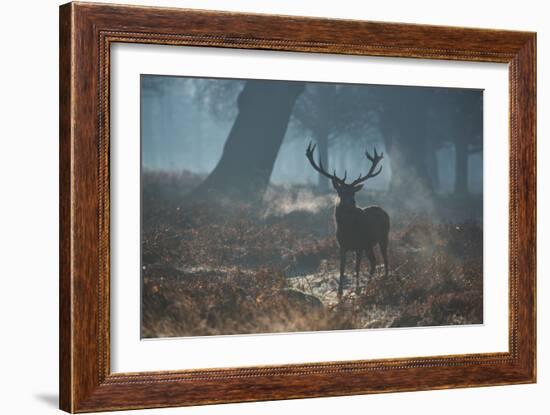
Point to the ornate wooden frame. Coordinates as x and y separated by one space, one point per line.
86 33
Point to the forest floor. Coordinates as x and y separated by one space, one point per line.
228 269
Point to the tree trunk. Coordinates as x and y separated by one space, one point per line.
250 151
407 153
431 164
409 173
461 167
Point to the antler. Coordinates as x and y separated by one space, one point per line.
319 167
374 160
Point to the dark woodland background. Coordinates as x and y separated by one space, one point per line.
238 229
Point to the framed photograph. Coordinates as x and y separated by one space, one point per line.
259 207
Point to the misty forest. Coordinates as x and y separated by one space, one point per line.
284 206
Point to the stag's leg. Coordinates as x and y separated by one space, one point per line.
342 271
357 270
372 260
384 250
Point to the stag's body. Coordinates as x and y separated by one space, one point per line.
357 230
360 230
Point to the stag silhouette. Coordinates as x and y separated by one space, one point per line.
357 229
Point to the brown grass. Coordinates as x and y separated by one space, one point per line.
230 269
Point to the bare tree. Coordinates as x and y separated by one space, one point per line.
328 112
264 109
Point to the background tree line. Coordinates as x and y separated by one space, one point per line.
411 124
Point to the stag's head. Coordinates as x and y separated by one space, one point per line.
346 191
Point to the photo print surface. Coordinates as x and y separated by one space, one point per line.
286 206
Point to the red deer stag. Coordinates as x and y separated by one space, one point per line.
357 229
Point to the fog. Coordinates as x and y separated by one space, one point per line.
239 231
185 123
